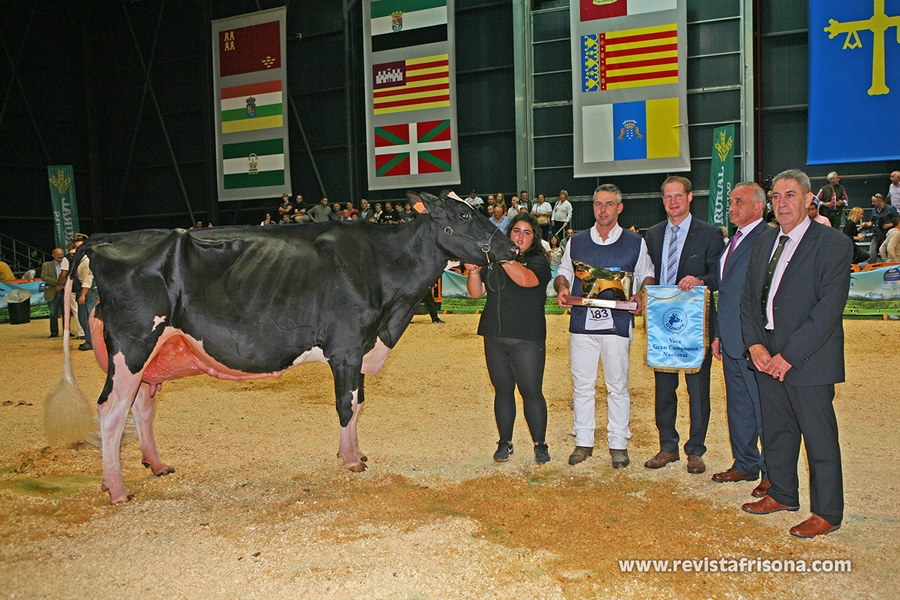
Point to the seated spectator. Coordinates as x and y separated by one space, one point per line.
407 213
335 212
387 215
6 273
299 203
500 220
890 248
851 229
285 208
813 212
513 208
345 214
285 219
376 213
300 216
268 220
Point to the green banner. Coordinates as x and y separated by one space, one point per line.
65 208
721 175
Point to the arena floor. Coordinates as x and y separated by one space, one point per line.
260 507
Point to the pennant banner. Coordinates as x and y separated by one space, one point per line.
250 84
629 86
410 86
65 207
853 118
676 327
721 175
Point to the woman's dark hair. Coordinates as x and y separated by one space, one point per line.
536 246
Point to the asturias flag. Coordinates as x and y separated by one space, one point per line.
411 84
259 163
405 23
249 49
252 106
428 142
631 130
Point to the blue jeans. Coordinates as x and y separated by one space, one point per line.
54 312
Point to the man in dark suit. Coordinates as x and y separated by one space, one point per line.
745 209
685 252
791 310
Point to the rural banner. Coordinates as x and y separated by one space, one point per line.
250 81
629 86
410 91
65 208
854 81
676 327
721 175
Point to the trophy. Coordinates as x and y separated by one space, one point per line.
595 280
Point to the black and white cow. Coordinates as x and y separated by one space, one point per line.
250 302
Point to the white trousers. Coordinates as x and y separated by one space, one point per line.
73 305
585 352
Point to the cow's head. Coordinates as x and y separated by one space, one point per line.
466 234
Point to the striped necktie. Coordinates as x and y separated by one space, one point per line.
672 258
770 272
734 241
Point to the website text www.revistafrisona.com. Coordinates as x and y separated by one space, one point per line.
736 565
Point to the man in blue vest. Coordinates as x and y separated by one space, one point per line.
600 333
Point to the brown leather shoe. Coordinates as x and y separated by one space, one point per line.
813 526
731 475
695 464
580 455
661 459
762 490
767 506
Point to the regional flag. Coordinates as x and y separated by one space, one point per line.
606 9
249 49
630 58
259 163
404 23
854 81
413 148
252 106
644 129
412 84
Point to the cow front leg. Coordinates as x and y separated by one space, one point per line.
351 427
144 405
346 388
113 410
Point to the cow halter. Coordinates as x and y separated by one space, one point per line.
483 246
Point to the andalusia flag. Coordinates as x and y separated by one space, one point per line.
405 23
252 106
413 148
253 164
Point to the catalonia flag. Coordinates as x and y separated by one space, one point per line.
854 81
644 129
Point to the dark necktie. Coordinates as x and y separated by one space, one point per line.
770 271
734 241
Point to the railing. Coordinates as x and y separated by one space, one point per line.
21 257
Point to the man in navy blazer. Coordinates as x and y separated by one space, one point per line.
791 311
745 210
685 252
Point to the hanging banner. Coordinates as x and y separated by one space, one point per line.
721 175
854 81
629 86
676 327
65 208
250 81
410 68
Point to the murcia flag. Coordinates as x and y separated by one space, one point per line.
606 9
413 148
249 49
412 84
643 129
405 23
252 106
259 163
630 58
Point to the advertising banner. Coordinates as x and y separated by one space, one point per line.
65 208
721 175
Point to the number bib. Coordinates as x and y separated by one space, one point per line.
598 319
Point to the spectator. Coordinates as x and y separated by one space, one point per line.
813 212
513 208
335 212
556 254
268 220
890 248
894 190
562 214
87 298
300 215
569 233
852 231
389 216
880 221
365 211
541 211
299 204
376 214
6 273
285 220
53 274
832 199
500 220
523 201
73 297
285 208
321 212
349 206
475 201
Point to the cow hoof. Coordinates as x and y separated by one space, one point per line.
164 469
361 457
356 467
119 500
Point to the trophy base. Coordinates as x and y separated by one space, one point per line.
600 303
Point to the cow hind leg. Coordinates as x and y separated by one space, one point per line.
144 405
347 386
351 426
113 411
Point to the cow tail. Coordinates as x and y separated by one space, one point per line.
69 417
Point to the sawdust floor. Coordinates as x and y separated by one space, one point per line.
260 507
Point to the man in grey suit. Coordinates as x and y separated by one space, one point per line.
791 311
745 209
685 252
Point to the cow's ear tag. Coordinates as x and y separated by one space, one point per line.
420 208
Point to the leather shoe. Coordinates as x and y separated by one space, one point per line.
767 506
731 475
53 335
762 490
84 347
695 464
813 526
619 458
580 455
661 459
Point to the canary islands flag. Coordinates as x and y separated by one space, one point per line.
854 81
631 130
